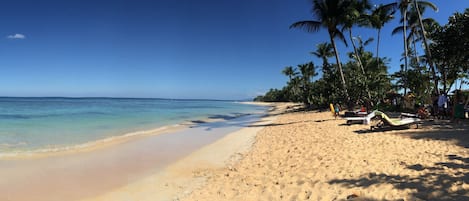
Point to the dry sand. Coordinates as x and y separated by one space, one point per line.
311 156
191 172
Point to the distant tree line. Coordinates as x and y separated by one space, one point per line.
433 59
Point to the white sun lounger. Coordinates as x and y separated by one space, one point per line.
365 120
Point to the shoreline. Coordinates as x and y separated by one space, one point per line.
115 140
180 178
89 146
121 165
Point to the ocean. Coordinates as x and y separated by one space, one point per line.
46 124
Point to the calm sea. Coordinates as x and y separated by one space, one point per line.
30 124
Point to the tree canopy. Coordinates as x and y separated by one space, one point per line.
364 78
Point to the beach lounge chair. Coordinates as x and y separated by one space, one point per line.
409 115
364 120
386 121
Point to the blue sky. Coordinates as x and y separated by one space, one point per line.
215 49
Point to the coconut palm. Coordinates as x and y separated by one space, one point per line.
330 14
353 17
427 48
290 72
379 16
307 72
414 33
403 7
411 20
324 51
292 86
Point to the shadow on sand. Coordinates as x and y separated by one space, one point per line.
433 183
445 180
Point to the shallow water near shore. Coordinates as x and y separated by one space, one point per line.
88 174
54 124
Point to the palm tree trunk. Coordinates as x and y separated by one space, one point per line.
445 77
377 48
377 55
416 55
427 49
404 24
339 66
361 64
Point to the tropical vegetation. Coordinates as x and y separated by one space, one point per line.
435 56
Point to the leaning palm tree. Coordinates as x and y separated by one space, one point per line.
330 14
380 15
403 7
427 48
355 16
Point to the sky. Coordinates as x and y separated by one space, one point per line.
204 49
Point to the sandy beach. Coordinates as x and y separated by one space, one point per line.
311 156
180 178
286 155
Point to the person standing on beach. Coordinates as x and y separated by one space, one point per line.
336 110
442 104
458 108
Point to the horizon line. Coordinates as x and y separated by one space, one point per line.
110 97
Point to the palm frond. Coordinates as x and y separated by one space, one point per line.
368 41
398 29
428 4
319 8
340 35
308 25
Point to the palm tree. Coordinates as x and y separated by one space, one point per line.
403 7
353 17
362 44
307 72
413 21
292 85
414 34
379 16
427 48
330 14
290 72
324 51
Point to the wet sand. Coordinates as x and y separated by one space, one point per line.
82 175
191 172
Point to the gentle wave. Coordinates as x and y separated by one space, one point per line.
9 145
19 116
84 146
57 150
60 124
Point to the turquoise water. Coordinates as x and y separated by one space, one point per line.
28 124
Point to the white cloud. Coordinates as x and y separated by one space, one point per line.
16 36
